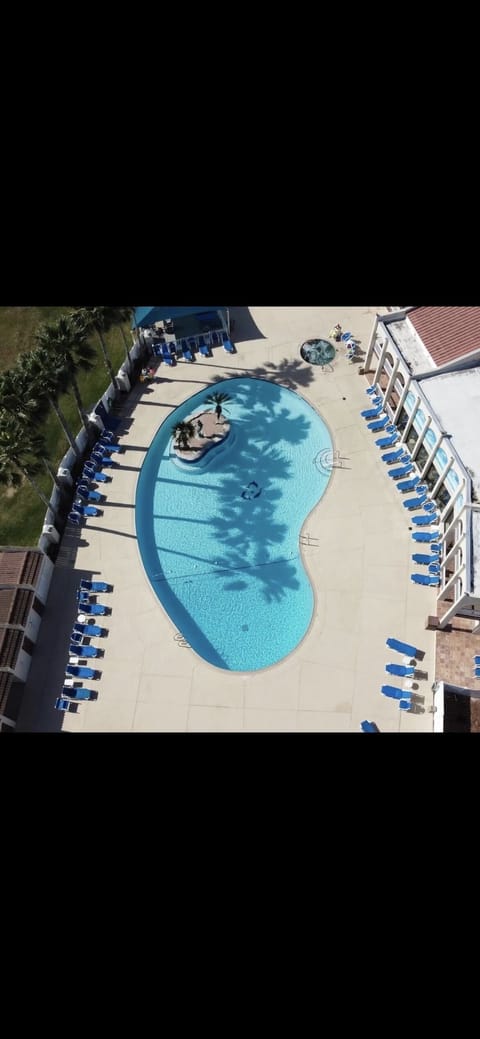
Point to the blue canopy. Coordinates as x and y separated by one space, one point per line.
145 316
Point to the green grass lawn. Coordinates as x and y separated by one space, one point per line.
22 512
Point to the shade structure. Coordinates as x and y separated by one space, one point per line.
402 647
146 316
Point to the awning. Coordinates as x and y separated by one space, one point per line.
145 316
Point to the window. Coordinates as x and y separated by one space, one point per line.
412 438
442 497
421 457
402 420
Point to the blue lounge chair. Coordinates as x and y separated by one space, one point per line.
227 345
96 477
372 390
390 440
400 455
65 705
75 518
425 519
167 354
408 485
430 506
392 692
82 596
106 445
402 647
380 423
436 550
102 460
94 586
367 726
88 630
415 503
372 412
401 670
429 579
108 436
83 651
86 495
87 510
403 470
405 704
95 609
75 671
345 336
187 353
202 346
425 535
476 661
422 558
79 694
434 568
476 673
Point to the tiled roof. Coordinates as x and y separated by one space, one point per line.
15 605
20 566
10 645
447 332
6 680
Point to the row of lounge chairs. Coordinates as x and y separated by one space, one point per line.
83 628
100 458
405 670
185 348
406 480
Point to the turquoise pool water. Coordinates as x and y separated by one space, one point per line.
219 538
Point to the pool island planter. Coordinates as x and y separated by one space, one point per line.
213 434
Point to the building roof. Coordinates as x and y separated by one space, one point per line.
145 316
6 680
15 605
447 332
11 640
455 400
20 566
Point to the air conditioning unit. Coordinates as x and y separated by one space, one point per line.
124 381
95 419
51 532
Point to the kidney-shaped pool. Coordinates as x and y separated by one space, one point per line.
219 538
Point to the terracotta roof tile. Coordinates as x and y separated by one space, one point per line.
447 332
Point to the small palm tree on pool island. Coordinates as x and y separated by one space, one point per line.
183 431
218 399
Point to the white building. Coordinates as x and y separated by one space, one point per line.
426 364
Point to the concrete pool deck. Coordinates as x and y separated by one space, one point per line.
356 545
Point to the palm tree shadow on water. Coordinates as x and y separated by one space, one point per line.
253 543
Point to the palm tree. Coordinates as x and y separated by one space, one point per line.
19 455
49 378
122 314
183 431
17 396
100 319
218 399
70 344
17 400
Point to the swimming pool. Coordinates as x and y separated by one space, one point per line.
219 538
